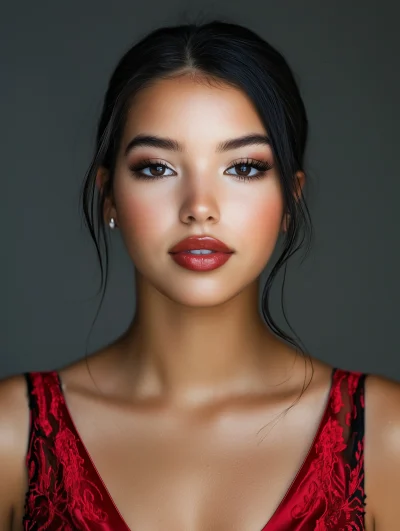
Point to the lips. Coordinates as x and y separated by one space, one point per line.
193 243
219 255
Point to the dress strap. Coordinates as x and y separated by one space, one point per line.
349 413
29 385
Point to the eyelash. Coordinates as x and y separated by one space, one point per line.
261 166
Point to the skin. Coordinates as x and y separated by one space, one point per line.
197 366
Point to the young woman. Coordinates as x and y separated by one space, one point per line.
204 415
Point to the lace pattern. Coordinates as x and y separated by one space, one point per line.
66 493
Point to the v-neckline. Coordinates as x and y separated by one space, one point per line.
285 497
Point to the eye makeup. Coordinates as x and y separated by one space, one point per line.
156 169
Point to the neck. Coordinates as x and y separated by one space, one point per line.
192 354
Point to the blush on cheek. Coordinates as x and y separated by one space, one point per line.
141 222
273 211
265 222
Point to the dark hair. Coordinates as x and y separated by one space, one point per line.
221 52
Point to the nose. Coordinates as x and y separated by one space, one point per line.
199 206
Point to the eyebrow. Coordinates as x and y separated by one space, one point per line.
173 145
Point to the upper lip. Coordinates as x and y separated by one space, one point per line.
200 242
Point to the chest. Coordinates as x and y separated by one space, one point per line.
234 472
205 478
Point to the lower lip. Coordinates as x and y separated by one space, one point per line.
201 262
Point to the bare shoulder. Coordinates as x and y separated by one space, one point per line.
14 430
382 401
14 410
382 450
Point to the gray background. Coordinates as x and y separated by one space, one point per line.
55 63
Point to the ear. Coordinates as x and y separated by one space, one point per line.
300 179
102 178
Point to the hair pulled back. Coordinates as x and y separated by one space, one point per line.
220 52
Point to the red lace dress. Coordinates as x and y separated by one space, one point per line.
66 492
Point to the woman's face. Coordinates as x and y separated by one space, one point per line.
201 191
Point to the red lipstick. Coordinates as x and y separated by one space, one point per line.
184 253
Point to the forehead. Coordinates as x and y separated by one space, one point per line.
190 108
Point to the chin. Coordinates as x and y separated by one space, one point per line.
200 296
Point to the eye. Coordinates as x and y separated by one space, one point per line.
248 169
147 169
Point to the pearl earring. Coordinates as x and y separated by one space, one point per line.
112 223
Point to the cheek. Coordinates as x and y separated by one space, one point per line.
143 215
142 220
258 221
266 219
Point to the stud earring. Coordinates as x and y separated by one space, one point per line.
112 223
